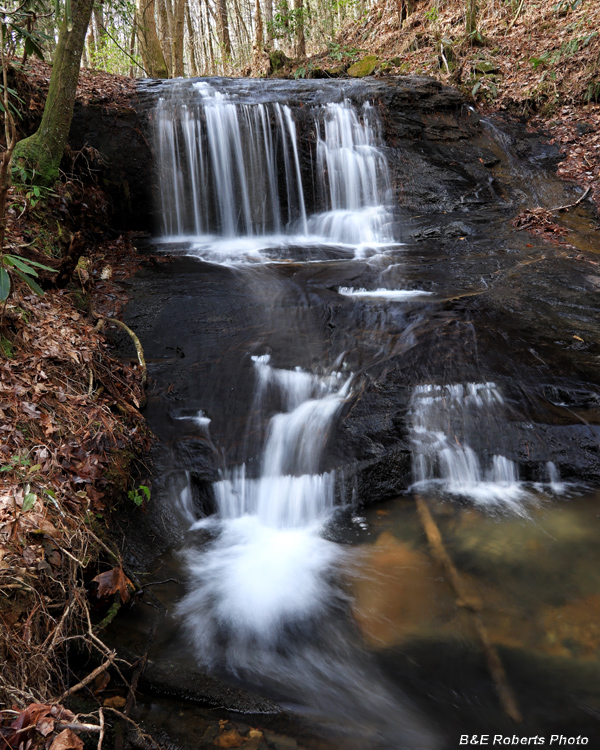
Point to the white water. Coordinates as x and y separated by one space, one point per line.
268 559
232 184
458 435
396 295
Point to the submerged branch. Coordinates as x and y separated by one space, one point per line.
466 599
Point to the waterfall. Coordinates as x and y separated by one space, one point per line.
269 525
290 492
231 169
459 439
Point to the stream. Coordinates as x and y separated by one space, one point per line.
336 323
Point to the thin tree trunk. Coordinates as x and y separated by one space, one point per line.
269 21
100 33
150 47
471 22
192 42
165 35
178 33
132 70
43 150
300 50
223 28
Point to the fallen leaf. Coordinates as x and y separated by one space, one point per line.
112 581
117 701
232 738
66 740
45 726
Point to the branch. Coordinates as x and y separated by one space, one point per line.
467 600
124 51
90 678
517 14
572 205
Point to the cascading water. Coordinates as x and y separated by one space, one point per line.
274 517
459 445
232 170
263 592
289 592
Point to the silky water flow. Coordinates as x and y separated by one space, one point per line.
266 604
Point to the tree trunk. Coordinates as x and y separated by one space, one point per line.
300 50
150 49
223 28
165 35
471 24
43 150
178 30
192 38
101 36
269 21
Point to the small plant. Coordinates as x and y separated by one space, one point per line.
24 269
432 15
485 87
7 350
592 93
564 6
139 495
16 462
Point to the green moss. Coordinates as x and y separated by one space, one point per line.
486 67
7 350
34 156
278 60
364 67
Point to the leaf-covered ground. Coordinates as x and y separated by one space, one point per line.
536 60
70 431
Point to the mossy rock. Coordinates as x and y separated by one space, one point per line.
278 60
364 67
484 67
336 72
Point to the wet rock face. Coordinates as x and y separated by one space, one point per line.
115 144
412 109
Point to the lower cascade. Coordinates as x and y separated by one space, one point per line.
459 440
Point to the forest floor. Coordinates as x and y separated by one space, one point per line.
71 439
536 61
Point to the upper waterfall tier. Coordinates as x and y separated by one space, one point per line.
237 168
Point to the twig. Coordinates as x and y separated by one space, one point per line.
159 583
101 737
90 678
517 14
137 344
145 736
571 205
77 727
466 599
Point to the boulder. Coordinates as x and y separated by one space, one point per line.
364 67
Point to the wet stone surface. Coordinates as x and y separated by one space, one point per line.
496 309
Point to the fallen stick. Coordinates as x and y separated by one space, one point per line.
90 678
77 727
101 737
466 599
577 202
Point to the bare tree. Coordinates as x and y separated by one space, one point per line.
150 47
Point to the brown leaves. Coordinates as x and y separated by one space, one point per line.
66 740
114 581
35 723
541 222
